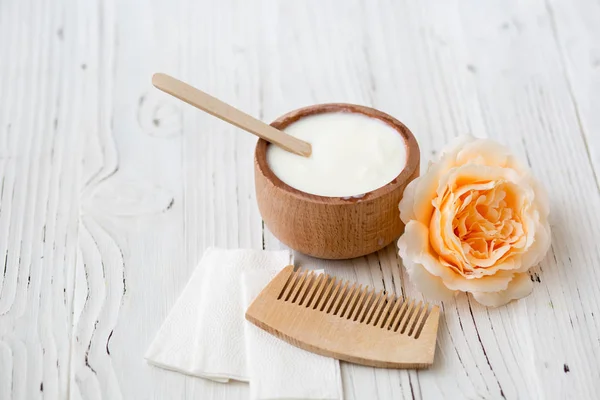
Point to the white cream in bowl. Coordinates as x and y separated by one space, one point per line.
352 154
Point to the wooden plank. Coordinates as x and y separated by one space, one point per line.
39 171
220 202
326 63
81 295
525 98
131 265
504 83
432 63
575 29
41 101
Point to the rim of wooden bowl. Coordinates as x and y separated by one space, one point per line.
410 143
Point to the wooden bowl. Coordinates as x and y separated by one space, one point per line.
333 227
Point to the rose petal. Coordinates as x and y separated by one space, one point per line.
537 251
493 153
475 222
507 264
429 285
426 185
519 287
425 189
468 177
406 203
416 248
455 145
541 195
444 242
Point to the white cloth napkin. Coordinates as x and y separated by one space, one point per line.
205 334
279 370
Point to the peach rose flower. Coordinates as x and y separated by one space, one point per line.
476 221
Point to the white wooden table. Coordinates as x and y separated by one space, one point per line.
110 191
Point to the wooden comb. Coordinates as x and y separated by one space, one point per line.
335 318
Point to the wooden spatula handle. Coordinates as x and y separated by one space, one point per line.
227 113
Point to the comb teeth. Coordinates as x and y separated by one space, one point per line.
363 305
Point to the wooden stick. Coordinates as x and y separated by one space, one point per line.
227 113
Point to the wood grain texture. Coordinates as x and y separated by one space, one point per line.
333 227
229 114
375 337
40 113
575 30
110 191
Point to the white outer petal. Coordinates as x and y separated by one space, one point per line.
407 211
432 287
519 287
455 145
492 153
538 249
541 195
